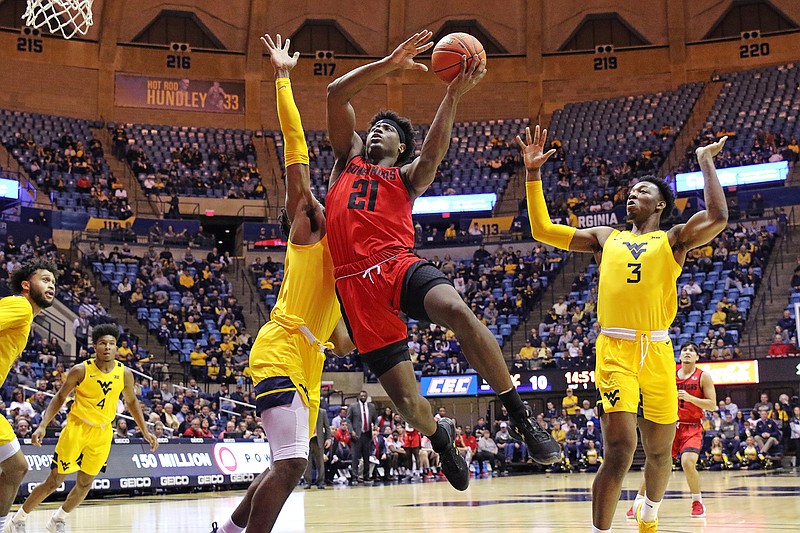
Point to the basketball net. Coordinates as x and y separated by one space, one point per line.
67 17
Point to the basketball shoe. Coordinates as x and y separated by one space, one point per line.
645 527
14 527
698 510
453 465
541 446
56 526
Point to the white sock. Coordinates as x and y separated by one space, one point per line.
60 515
20 516
697 498
3 522
230 527
649 510
598 530
636 500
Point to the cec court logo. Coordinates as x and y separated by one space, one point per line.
452 385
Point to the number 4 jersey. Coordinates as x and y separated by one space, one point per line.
97 395
368 213
637 282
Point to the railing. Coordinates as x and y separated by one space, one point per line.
55 326
235 402
119 415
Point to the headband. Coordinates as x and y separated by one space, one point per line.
394 125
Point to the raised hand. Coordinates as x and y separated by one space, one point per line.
710 150
533 150
468 77
403 55
279 56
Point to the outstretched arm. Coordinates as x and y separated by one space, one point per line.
341 116
74 376
707 224
542 228
421 172
298 181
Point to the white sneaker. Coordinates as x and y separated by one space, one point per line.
14 527
56 526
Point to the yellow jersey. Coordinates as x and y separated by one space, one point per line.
97 395
307 299
637 282
16 316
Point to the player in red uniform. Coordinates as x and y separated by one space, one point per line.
696 393
372 188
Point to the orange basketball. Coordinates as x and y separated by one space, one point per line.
446 59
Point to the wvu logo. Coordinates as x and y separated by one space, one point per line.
105 385
612 397
79 460
64 465
636 249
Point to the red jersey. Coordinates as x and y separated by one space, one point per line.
368 214
689 412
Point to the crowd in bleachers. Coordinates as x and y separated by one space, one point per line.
64 160
757 110
186 301
189 161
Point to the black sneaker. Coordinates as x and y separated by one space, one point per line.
214 527
453 465
541 445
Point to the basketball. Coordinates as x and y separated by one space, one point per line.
446 59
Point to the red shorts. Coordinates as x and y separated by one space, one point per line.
370 293
688 438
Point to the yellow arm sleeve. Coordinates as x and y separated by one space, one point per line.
294 147
542 228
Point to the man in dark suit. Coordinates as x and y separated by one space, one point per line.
319 442
361 415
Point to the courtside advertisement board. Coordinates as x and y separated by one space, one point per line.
187 463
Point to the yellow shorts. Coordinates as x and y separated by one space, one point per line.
82 447
6 431
629 384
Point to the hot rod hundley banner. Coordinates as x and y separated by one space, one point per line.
179 94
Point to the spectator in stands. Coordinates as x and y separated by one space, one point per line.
767 432
786 322
794 427
122 429
780 348
763 403
488 451
719 316
570 403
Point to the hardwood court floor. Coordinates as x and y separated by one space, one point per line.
735 502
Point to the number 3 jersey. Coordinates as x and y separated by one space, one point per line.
637 282
97 395
368 213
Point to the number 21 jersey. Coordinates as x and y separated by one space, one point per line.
637 282
368 214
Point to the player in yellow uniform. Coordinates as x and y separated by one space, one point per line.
637 303
33 285
85 442
287 356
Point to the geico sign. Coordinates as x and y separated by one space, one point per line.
450 385
242 478
174 481
31 486
134 482
101 484
215 479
